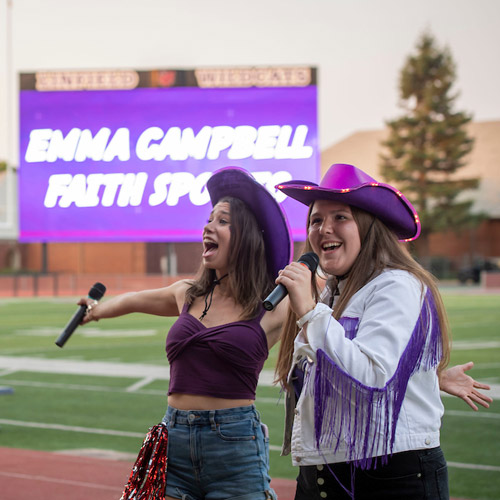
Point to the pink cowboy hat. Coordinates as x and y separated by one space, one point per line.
350 185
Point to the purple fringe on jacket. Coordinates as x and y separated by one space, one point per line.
366 417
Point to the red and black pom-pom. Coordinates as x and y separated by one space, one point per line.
148 477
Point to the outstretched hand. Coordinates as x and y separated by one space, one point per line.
456 382
90 303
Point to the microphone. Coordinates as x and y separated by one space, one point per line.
96 293
311 261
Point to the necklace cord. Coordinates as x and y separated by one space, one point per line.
209 296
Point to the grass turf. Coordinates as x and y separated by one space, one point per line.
29 328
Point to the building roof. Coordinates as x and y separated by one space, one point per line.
363 149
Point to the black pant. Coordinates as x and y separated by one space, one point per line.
411 475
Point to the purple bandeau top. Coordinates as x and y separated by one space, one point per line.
222 361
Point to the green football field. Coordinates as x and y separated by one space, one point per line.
63 399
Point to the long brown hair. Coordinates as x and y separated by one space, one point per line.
380 249
249 280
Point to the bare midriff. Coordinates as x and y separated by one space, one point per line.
197 402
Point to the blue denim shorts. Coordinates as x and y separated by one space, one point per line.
217 455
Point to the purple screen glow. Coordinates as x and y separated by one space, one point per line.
131 165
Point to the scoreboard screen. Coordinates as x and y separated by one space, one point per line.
124 155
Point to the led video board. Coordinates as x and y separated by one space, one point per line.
125 155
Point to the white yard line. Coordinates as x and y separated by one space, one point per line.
140 384
46 479
77 367
135 388
110 432
469 345
483 413
458 465
10 364
71 428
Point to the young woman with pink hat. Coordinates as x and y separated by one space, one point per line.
217 446
360 360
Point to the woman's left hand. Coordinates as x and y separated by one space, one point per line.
454 381
296 278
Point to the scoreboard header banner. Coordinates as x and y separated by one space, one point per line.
125 155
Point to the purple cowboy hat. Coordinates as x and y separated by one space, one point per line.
238 183
350 185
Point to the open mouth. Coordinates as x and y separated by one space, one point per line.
330 246
209 247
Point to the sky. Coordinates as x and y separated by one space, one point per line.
358 46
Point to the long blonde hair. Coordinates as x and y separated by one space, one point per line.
380 249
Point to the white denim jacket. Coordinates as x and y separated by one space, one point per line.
364 356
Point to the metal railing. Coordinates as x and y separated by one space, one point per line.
59 284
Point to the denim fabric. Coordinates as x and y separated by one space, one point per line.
412 475
217 455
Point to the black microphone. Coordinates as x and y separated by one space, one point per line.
96 293
311 261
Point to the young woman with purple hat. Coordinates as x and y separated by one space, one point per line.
360 360
217 447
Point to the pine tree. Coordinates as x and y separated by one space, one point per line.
428 145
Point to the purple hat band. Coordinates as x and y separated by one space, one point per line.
238 183
350 185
